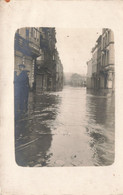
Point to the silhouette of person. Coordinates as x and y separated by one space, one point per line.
26 90
16 94
23 81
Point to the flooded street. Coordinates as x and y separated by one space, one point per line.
73 127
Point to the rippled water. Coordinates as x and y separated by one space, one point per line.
74 127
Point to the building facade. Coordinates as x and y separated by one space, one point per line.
94 67
89 74
27 49
108 61
36 49
45 65
103 74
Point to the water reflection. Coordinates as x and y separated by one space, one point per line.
101 124
32 132
74 127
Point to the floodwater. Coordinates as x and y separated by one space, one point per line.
74 127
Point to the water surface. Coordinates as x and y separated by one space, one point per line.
74 127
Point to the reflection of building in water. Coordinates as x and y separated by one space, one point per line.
101 126
36 49
33 147
39 149
94 104
102 64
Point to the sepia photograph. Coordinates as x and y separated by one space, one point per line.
64 97
61 80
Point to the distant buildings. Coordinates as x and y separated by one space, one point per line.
100 69
74 80
78 80
36 49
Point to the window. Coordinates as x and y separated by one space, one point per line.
31 32
27 33
107 57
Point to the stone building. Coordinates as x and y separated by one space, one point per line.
27 49
49 69
94 67
36 49
108 61
89 74
45 67
99 79
102 67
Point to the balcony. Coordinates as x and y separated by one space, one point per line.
34 49
26 47
109 67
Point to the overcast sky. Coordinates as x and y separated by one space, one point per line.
74 47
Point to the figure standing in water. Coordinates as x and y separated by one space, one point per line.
23 82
